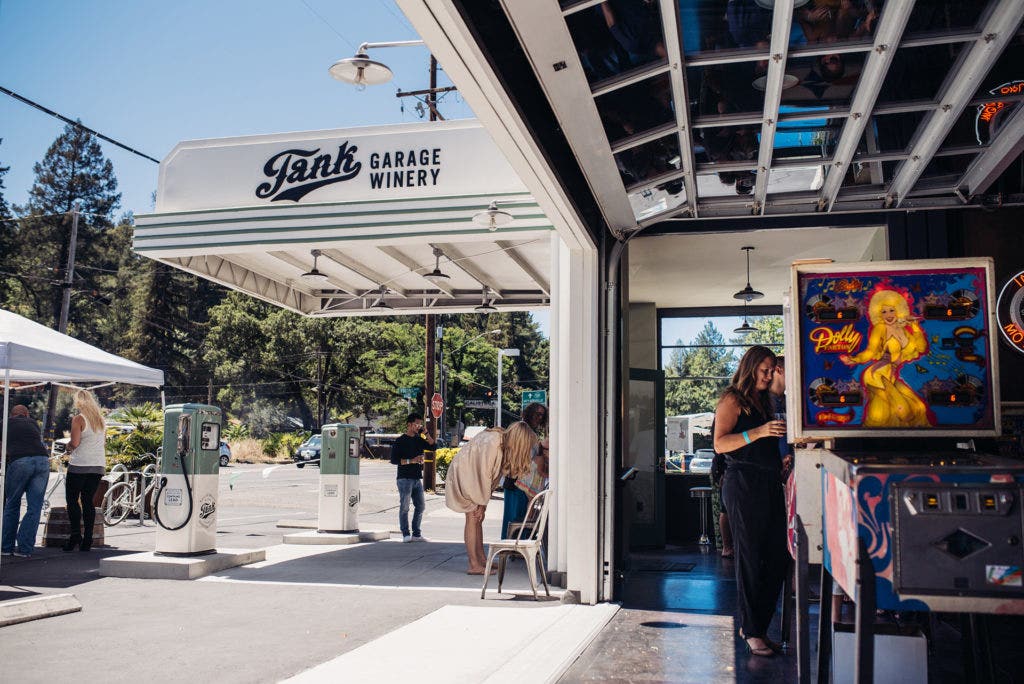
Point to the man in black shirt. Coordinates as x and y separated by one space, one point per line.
407 454
27 472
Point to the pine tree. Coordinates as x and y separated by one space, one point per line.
73 170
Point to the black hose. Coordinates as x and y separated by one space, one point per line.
159 491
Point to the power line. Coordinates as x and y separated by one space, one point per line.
76 124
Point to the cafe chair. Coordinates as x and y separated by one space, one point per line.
527 543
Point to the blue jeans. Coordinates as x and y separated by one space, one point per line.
28 476
409 488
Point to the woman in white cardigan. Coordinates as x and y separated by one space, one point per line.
88 464
474 473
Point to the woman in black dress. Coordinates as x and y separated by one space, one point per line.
747 435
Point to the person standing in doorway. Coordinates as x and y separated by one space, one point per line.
27 472
407 454
777 392
748 435
87 466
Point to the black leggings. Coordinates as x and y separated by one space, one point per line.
757 515
81 486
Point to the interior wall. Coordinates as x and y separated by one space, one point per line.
997 234
643 335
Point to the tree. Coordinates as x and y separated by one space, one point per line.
703 371
73 170
7 236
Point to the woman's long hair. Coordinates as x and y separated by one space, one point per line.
86 404
744 382
520 441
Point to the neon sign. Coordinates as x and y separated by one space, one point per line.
988 111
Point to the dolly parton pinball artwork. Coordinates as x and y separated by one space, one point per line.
896 348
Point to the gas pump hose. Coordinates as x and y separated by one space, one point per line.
159 491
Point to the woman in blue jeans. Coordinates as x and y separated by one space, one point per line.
27 472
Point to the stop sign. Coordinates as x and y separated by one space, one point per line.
436 404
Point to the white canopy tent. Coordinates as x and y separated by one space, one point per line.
32 353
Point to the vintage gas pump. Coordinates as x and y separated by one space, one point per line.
339 479
186 499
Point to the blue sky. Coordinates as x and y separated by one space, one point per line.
151 74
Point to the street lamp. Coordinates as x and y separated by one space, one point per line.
497 409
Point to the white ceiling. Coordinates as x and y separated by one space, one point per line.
705 269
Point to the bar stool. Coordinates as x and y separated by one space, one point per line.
703 494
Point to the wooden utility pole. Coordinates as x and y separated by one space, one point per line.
65 308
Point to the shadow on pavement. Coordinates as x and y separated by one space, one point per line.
430 565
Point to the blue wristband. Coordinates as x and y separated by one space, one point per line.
746 437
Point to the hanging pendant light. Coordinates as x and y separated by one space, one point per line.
748 293
436 276
315 274
746 328
381 302
492 217
485 306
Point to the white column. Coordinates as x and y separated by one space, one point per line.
575 545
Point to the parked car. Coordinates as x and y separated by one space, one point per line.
225 454
701 461
308 451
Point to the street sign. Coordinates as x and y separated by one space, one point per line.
480 404
409 392
437 404
535 396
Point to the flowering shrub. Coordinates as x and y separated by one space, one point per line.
443 459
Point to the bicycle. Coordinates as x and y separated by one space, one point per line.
57 453
129 494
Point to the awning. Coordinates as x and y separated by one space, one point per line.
31 352
381 207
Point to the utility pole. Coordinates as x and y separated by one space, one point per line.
209 392
431 422
65 307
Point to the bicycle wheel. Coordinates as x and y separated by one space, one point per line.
118 503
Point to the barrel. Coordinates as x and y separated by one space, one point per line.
58 528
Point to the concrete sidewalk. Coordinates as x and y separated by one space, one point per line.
303 607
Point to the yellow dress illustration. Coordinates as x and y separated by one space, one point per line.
895 338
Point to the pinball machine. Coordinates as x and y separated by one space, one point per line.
890 356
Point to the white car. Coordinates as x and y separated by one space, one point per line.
701 461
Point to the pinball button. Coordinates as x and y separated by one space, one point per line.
1013 540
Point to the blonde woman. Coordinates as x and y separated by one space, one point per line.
474 473
896 338
88 464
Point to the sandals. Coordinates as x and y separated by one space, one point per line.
766 652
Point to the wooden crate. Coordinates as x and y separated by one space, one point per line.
58 528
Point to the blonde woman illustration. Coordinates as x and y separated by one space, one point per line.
896 337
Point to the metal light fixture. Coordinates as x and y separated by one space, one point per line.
381 302
485 306
436 276
748 293
362 71
492 217
315 274
746 328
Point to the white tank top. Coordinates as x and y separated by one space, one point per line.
91 450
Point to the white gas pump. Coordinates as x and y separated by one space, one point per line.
339 479
186 499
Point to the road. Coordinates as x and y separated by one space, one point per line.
253 499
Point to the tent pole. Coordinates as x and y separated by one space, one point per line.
3 443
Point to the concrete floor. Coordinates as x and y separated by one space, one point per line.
680 627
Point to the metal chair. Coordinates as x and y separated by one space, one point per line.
703 495
528 546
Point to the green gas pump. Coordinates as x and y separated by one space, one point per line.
339 479
186 499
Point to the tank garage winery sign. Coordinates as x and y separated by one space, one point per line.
409 161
